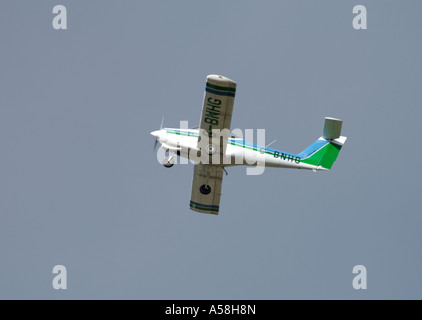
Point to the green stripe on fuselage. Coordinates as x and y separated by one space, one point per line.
183 134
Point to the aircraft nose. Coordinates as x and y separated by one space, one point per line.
155 133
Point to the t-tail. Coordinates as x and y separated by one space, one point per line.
323 152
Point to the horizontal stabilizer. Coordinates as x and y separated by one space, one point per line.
332 128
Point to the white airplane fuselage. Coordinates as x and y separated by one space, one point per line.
184 142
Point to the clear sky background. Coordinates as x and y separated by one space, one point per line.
81 187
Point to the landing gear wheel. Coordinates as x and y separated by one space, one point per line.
205 189
168 162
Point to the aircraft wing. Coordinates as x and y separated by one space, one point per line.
217 111
206 188
218 103
216 115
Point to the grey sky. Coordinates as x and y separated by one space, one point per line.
81 187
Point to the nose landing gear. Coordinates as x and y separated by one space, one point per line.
168 162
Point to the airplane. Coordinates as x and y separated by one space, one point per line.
213 147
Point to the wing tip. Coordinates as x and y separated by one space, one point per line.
220 78
204 208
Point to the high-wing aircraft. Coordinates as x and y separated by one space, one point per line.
213 147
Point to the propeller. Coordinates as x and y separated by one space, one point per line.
162 122
155 144
156 138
